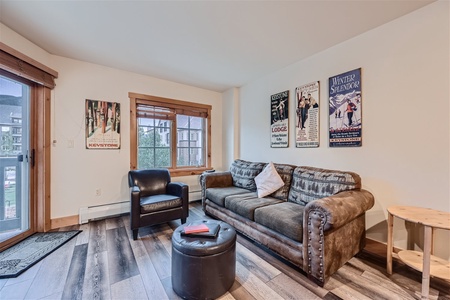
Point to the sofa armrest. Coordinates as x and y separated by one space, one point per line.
214 179
337 210
333 231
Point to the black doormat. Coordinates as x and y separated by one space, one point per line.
18 258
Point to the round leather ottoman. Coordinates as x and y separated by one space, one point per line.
203 268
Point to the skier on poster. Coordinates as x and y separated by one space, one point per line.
351 107
302 112
312 102
280 108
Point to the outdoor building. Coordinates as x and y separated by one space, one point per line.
10 148
11 130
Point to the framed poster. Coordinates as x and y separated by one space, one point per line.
345 116
102 124
279 116
307 115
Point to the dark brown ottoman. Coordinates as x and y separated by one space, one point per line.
203 268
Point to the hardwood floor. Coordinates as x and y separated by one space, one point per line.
103 262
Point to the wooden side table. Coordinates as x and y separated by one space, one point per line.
424 262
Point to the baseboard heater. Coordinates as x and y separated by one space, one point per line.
195 195
109 210
103 211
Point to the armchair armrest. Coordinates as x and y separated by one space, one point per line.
135 195
135 202
179 189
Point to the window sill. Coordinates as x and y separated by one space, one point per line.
187 171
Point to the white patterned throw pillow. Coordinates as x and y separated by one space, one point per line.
268 181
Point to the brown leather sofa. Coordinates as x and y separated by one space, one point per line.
316 220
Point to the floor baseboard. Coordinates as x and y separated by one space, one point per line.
64 221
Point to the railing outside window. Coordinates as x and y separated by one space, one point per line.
10 193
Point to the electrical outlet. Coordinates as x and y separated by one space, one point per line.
98 192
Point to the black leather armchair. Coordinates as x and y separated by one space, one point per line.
155 200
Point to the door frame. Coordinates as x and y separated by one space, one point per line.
40 173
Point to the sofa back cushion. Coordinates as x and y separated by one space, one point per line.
309 183
244 173
285 172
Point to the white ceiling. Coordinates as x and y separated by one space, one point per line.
214 45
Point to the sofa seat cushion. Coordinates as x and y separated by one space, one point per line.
285 218
217 195
309 184
244 172
159 202
245 204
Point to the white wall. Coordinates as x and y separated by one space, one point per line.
404 159
76 172
83 171
17 42
230 121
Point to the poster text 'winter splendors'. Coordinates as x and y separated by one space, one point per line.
345 124
279 115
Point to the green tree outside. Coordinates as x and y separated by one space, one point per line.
152 152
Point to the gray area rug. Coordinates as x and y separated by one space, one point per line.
18 258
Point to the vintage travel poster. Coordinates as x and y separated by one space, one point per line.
279 115
307 115
345 116
102 124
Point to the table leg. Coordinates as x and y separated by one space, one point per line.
389 243
432 240
428 232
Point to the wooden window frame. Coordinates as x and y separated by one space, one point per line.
179 105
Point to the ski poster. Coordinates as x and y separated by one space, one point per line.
307 115
102 124
279 115
345 123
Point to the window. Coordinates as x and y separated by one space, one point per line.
190 148
167 133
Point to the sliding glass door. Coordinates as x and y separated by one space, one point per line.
16 158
